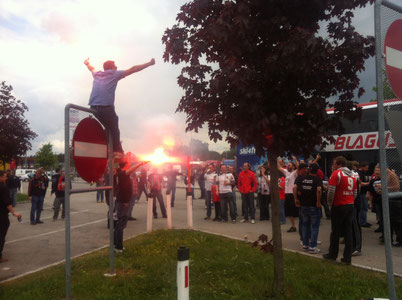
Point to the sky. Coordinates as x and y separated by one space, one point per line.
44 44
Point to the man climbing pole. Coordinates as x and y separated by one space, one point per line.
103 94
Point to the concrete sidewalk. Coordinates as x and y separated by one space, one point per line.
33 247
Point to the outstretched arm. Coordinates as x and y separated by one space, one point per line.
89 66
135 167
138 68
317 158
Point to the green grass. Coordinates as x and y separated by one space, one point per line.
22 197
220 268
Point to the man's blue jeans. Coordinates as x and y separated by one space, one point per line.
36 208
248 206
171 189
311 224
13 196
122 210
282 206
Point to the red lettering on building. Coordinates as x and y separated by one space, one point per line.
340 141
348 143
359 142
370 141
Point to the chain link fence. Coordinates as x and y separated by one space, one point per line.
392 105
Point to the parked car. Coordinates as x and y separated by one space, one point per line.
27 176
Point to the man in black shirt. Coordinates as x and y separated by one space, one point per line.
364 177
171 175
307 192
124 193
5 207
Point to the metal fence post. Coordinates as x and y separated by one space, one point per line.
67 198
111 206
383 162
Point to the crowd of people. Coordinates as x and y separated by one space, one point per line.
345 198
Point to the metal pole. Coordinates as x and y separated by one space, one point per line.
111 206
383 162
67 198
149 213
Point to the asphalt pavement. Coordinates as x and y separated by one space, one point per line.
30 248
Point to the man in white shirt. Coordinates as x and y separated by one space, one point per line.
210 178
291 210
225 181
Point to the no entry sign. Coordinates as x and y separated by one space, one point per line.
90 149
393 56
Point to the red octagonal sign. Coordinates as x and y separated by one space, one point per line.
90 149
393 56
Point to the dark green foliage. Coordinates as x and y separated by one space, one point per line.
265 68
15 134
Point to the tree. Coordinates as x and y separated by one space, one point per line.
388 92
262 70
46 158
229 154
199 149
15 134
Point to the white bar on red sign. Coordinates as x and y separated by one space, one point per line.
394 57
83 149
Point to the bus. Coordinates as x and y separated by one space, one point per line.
360 140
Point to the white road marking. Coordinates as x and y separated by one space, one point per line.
55 231
51 217
394 57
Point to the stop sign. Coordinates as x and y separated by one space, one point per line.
393 56
90 149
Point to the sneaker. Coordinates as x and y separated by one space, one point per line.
305 248
329 257
314 250
3 260
252 221
398 244
319 242
367 225
132 219
292 229
33 223
243 220
39 222
233 221
357 253
118 250
217 219
207 218
346 262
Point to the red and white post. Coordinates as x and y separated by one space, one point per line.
149 214
183 276
169 210
189 197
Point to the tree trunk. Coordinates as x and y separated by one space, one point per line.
279 278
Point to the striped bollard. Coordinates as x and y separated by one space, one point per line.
189 211
169 210
149 214
183 278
